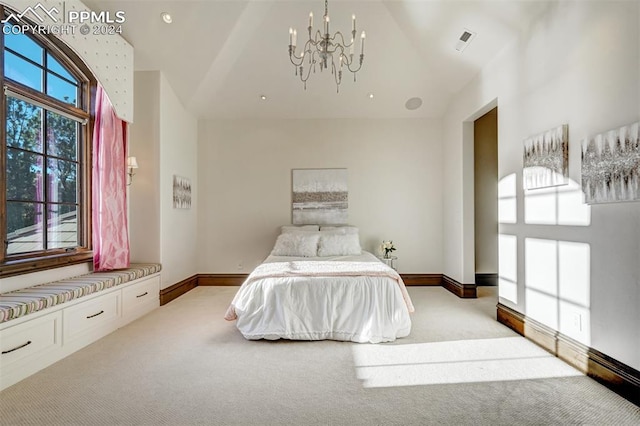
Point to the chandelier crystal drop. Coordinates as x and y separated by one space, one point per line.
326 51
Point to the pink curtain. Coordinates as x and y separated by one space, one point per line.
110 229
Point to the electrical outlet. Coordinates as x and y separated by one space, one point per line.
240 266
577 322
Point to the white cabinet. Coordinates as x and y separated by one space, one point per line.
140 298
91 320
35 341
29 347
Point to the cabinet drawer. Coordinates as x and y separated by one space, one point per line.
21 343
91 315
141 297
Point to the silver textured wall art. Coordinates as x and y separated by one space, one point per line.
546 159
320 196
611 166
181 192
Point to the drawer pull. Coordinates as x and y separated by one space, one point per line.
95 315
15 349
143 294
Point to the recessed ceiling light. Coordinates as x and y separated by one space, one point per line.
263 97
166 17
413 103
370 95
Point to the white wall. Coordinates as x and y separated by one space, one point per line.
144 194
178 156
395 190
572 267
164 141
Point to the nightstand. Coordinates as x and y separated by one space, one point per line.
389 261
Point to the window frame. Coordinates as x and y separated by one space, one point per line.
23 263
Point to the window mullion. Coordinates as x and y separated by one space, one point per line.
45 183
3 185
9 92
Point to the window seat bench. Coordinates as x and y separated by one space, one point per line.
42 324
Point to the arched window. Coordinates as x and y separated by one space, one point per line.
45 153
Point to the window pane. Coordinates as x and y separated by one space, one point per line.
23 44
62 90
24 176
62 136
62 226
24 227
22 71
57 67
23 125
62 181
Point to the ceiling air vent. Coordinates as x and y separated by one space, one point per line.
465 39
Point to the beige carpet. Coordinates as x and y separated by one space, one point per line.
183 364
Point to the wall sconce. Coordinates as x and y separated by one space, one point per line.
132 164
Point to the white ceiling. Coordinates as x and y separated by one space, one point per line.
220 56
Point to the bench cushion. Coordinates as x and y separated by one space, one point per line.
28 300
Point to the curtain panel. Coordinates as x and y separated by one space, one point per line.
109 188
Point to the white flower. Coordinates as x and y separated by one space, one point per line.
387 247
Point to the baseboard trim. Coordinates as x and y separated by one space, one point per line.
178 289
464 291
487 279
422 279
618 377
221 279
238 279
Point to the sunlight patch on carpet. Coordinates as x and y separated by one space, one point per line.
462 361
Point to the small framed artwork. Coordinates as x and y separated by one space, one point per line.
611 166
320 196
546 159
181 192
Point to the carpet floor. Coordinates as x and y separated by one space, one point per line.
183 364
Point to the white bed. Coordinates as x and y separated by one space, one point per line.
351 298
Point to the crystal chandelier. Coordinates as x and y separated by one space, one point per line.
326 51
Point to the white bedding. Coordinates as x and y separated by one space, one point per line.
352 298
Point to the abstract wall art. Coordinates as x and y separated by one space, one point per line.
546 159
611 166
181 192
320 196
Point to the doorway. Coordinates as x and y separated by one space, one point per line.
485 148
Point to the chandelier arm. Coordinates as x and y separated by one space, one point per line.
344 44
292 55
359 65
311 65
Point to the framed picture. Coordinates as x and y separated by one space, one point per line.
181 192
320 196
546 159
611 166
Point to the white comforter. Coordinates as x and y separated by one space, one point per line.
352 298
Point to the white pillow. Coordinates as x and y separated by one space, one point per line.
295 228
332 244
340 229
299 244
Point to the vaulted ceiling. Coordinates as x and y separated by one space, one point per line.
221 56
